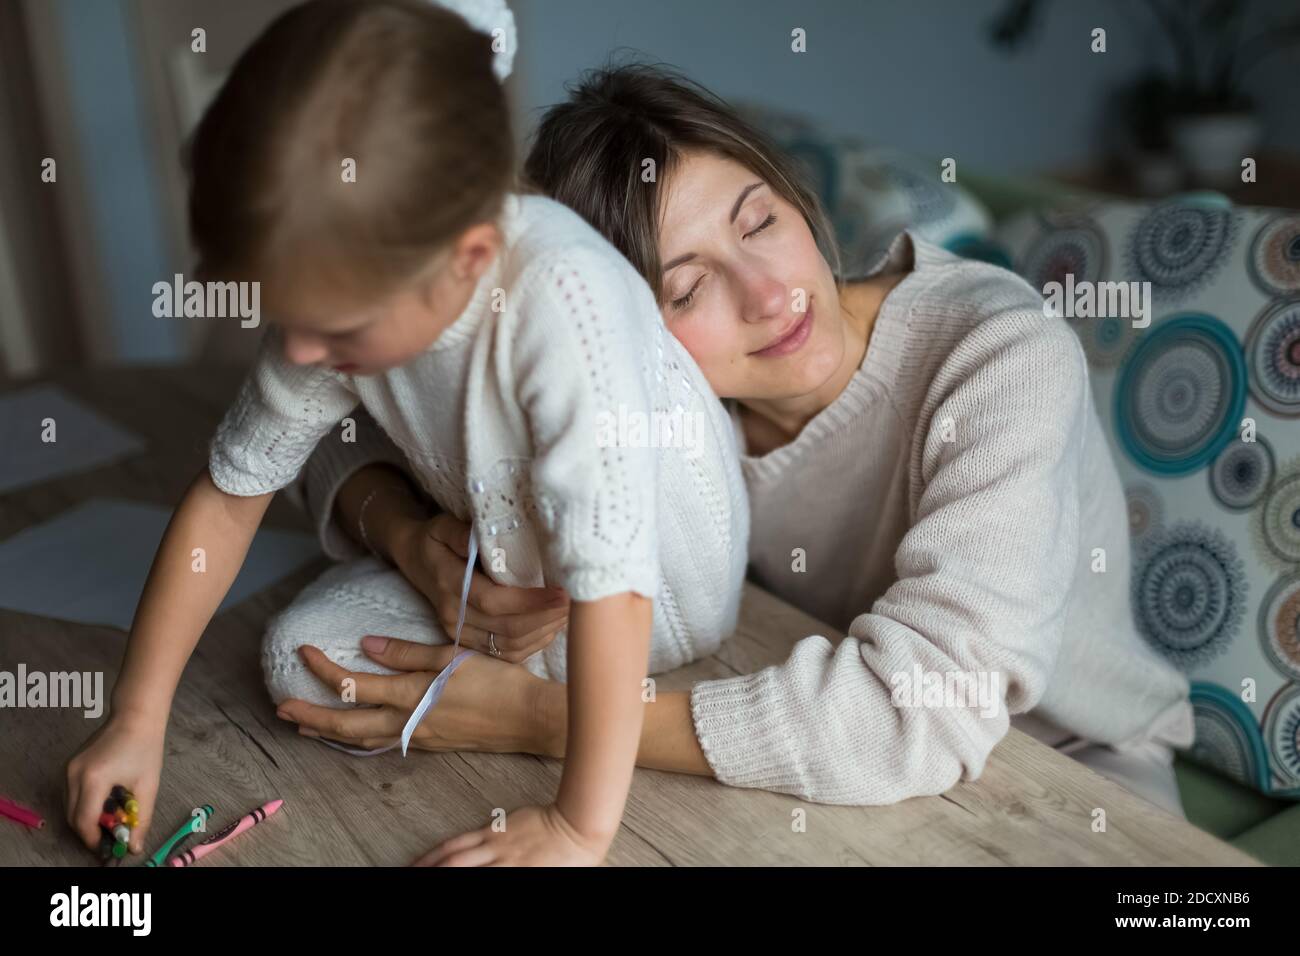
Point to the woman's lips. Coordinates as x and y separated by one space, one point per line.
793 340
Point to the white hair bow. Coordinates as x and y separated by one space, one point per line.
489 16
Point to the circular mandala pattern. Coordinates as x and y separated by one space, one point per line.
1275 255
1145 511
1279 626
1227 736
1277 520
1282 731
1075 248
1178 246
1189 594
928 202
1072 245
1107 340
1273 357
1241 474
1180 396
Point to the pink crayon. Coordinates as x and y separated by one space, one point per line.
226 834
15 812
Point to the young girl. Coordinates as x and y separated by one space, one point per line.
357 164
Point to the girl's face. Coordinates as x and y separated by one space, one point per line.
320 328
746 290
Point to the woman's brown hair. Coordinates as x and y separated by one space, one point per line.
403 88
589 153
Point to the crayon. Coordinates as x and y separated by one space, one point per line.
226 834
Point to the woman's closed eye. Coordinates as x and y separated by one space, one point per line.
684 301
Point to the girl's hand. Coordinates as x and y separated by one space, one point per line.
488 706
121 751
432 554
533 836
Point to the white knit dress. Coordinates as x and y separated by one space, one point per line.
559 416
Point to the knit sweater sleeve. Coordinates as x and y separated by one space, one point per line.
983 576
583 353
280 414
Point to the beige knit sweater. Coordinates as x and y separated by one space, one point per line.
944 509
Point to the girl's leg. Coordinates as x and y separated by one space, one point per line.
334 613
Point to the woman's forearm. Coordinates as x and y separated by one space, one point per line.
392 508
668 740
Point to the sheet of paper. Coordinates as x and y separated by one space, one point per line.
89 564
83 438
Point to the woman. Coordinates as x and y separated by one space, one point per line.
925 468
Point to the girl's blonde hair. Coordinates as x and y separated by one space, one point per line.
402 88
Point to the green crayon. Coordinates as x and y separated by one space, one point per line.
189 827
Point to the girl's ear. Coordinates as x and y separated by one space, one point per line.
474 251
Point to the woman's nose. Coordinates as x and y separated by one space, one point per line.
766 297
303 349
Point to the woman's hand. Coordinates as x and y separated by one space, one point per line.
487 706
532 836
431 555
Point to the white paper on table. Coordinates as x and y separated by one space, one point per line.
89 564
84 439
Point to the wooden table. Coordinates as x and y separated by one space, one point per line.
225 745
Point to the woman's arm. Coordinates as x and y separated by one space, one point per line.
490 707
667 741
362 500
392 509
984 575
346 465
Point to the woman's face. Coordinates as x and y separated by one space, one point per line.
746 290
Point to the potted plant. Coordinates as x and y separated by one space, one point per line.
1198 110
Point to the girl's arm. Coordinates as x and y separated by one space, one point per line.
609 645
178 601
182 592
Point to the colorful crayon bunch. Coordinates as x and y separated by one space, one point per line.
121 815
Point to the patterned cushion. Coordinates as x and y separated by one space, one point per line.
1215 517
871 192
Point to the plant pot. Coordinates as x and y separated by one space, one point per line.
1155 172
1211 146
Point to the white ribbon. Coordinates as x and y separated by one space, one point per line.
435 689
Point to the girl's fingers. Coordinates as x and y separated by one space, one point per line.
89 808
478 856
446 848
